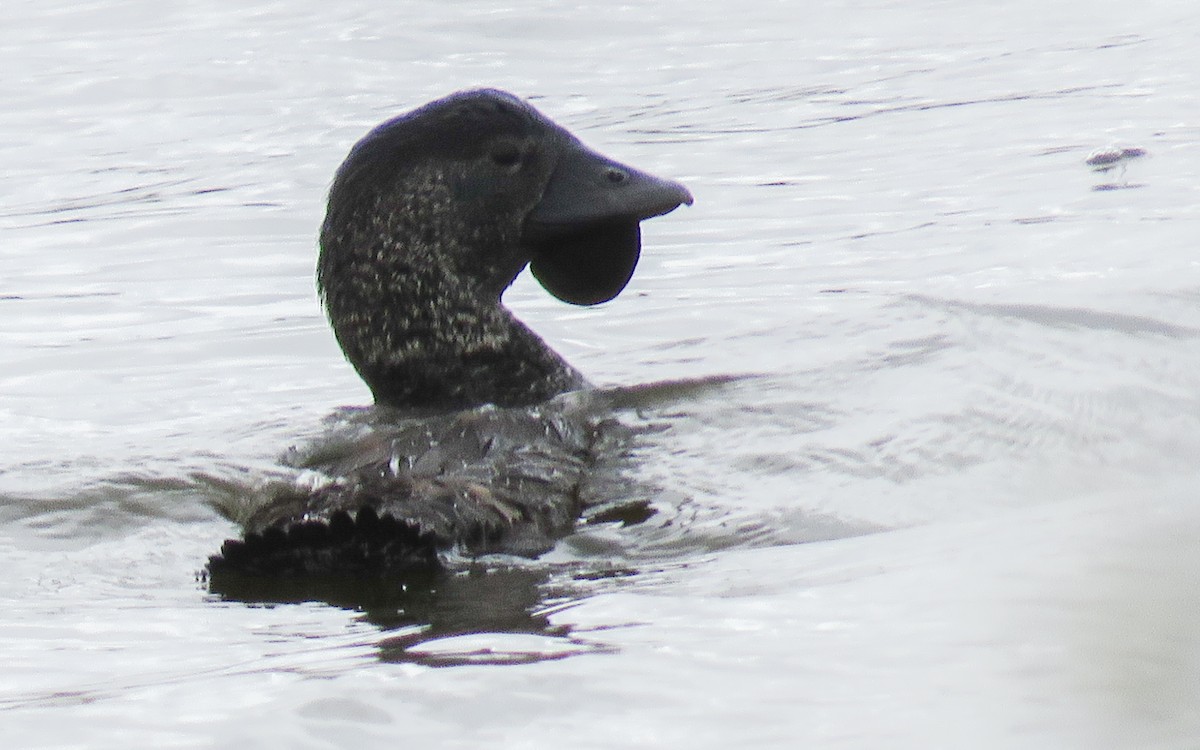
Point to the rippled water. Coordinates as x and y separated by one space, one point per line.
952 501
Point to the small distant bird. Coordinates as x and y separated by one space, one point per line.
1105 159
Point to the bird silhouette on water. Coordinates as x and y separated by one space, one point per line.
483 438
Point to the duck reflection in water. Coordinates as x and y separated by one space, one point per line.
496 614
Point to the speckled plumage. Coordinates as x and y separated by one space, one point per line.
411 274
420 328
430 218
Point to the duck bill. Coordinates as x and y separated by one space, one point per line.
584 234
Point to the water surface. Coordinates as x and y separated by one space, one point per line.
953 503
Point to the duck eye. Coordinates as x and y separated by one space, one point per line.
616 176
506 154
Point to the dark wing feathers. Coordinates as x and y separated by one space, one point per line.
483 481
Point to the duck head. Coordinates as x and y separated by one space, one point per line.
432 216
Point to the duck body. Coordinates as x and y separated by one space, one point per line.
405 492
483 438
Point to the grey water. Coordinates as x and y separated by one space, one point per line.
942 490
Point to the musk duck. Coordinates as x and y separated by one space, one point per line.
482 438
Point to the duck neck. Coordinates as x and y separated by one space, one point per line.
422 334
